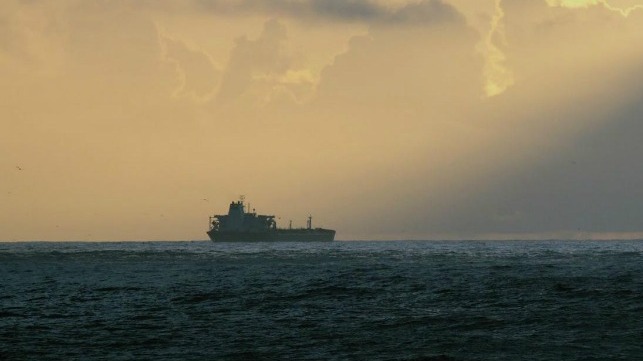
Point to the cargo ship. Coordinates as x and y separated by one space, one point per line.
240 225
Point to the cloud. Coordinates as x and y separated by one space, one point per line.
497 73
387 67
255 62
97 52
413 13
615 6
425 12
198 75
262 70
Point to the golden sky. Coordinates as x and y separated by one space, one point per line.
135 120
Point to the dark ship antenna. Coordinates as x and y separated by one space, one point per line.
309 223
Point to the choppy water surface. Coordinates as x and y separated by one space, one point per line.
324 301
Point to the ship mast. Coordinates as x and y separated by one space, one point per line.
242 199
309 222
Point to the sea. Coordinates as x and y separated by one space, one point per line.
402 300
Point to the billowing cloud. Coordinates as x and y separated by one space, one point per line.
256 65
382 68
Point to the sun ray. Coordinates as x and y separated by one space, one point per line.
498 77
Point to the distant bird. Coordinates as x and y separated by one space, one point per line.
18 167
205 199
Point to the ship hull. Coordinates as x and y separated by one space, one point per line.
278 235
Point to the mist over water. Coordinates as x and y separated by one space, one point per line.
540 300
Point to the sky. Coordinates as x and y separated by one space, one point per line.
424 119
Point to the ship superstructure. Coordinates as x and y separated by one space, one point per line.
240 225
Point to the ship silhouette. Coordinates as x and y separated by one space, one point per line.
240 225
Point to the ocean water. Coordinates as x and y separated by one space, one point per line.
549 300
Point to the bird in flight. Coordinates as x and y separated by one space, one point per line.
18 167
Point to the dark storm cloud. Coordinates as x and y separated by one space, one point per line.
424 12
